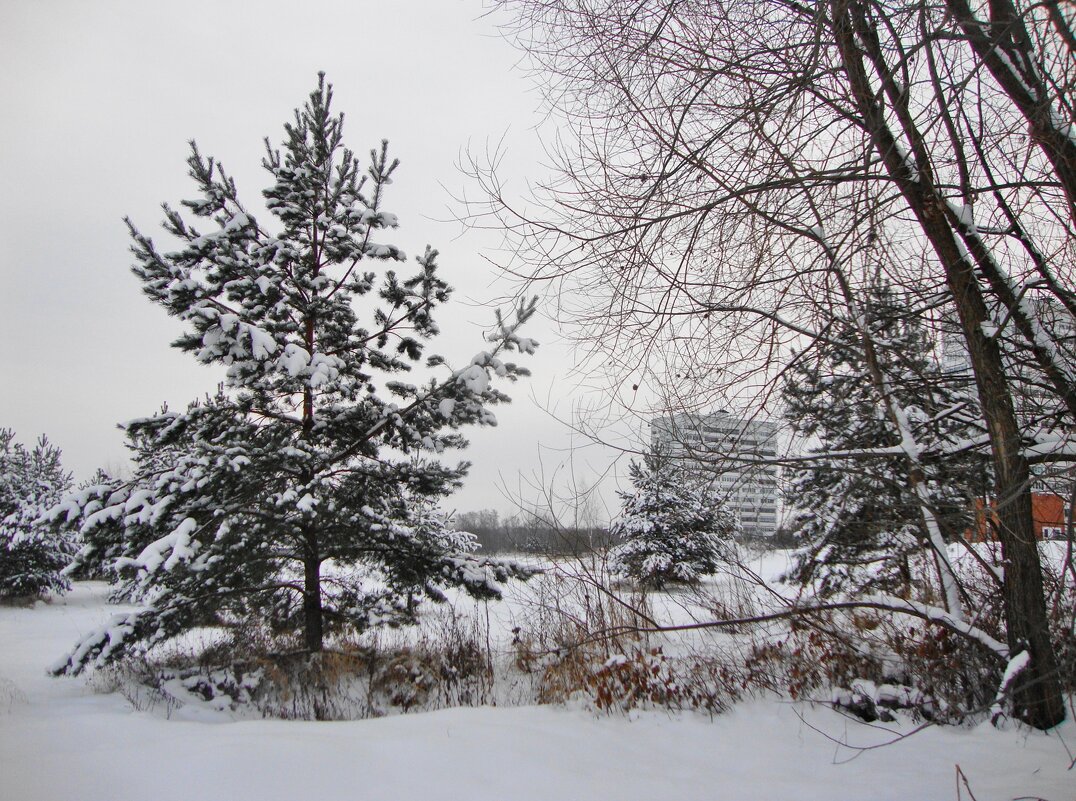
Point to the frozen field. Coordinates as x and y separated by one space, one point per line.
61 740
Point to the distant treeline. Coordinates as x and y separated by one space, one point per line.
530 534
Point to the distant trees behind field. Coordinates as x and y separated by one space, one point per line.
530 532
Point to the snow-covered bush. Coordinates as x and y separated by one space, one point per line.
671 529
444 662
312 452
880 662
32 554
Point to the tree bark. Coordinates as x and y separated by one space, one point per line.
313 627
1037 691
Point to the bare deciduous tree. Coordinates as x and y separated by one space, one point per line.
733 176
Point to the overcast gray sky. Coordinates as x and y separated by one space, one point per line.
99 100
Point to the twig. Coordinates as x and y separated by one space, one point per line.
859 749
961 778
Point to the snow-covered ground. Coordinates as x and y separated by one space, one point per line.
61 740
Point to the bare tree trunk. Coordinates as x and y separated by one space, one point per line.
1037 691
1004 46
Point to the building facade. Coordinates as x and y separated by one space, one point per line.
1049 516
736 455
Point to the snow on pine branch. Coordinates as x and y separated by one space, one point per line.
99 646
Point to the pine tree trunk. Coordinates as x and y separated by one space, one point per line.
313 630
313 634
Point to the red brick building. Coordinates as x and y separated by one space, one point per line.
1047 513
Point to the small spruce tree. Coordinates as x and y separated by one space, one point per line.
300 495
32 553
671 528
859 523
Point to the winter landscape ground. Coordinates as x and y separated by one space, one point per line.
67 739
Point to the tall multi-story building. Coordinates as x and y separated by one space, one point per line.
736 455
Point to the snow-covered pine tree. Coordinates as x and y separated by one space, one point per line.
32 554
672 528
860 522
311 454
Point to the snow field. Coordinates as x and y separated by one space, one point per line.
61 740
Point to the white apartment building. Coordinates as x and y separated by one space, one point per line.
736 454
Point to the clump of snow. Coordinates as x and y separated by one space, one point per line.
475 378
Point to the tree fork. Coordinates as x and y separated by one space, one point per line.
1004 49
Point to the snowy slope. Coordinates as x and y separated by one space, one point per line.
59 740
